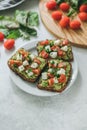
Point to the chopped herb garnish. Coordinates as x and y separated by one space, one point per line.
52 62
51 43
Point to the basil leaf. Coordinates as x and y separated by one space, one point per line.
60 1
33 19
4 31
8 22
13 34
82 2
71 12
21 17
30 31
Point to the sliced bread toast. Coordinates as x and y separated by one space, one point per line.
55 76
55 49
27 65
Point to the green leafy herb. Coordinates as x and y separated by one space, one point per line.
8 22
26 32
71 12
14 34
60 1
4 31
33 19
21 17
19 26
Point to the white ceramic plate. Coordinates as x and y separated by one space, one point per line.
31 87
6 4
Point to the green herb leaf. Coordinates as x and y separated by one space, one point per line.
14 34
71 12
4 31
8 22
21 25
21 17
33 19
59 1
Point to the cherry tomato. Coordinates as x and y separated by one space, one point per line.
57 15
64 22
64 6
44 42
65 42
62 78
83 16
23 53
36 71
51 4
9 44
37 61
50 75
44 54
1 36
51 81
60 52
75 24
54 48
12 62
83 8
60 65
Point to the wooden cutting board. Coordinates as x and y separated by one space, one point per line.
77 37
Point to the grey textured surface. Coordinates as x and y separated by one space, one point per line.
22 111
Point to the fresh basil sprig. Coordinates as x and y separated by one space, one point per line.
21 25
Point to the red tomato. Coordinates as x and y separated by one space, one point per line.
61 65
64 22
50 75
60 53
36 71
15 62
44 42
51 81
24 53
44 54
1 36
75 24
9 44
51 4
57 15
83 16
37 61
52 65
64 6
83 8
54 48
65 42
62 78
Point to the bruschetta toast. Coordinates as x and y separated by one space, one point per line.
55 49
27 65
55 76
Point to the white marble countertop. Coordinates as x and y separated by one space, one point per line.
22 111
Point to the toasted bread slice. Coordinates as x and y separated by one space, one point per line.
55 49
28 66
55 76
